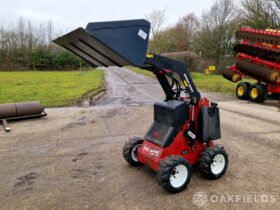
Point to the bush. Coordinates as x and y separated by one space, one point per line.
190 59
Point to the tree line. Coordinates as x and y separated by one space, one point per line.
197 41
24 46
209 39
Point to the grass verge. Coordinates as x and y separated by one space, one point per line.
215 83
52 89
207 83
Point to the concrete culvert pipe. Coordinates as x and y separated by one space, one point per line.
21 110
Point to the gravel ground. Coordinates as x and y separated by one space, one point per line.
72 158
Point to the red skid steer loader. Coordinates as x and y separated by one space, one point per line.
185 125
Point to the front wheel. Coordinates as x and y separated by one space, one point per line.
174 174
213 162
130 150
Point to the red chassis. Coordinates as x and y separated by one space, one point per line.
151 154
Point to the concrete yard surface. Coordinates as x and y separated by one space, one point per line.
72 159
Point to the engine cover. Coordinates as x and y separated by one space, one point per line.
169 117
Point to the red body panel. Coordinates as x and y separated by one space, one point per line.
151 154
273 89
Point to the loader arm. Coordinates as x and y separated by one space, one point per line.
163 68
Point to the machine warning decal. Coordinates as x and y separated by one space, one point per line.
186 84
189 85
142 34
191 134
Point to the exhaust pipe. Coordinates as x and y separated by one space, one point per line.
19 111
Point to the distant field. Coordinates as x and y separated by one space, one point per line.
207 83
52 89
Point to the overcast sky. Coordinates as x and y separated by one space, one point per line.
70 14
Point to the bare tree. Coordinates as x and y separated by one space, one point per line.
261 14
21 29
185 31
41 34
217 28
157 19
277 3
30 37
50 31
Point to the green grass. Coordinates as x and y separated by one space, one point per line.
215 83
207 83
52 89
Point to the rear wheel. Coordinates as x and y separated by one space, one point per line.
174 174
130 150
258 93
242 90
213 162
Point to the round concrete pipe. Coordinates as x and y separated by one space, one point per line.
8 111
29 108
18 110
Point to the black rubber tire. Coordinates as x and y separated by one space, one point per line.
165 169
246 87
262 93
128 148
274 96
206 158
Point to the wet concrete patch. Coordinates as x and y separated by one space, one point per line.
78 123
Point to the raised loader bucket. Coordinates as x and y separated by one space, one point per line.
114 43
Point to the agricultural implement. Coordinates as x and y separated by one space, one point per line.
185 124
258 57
19 111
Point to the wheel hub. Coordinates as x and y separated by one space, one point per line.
178 176
240 91
134 153
254 93
218 164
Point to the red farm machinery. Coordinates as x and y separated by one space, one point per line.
258 57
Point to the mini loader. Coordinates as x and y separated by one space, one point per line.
185 125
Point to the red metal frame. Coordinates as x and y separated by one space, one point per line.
241 56
151 154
